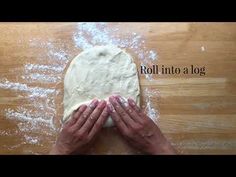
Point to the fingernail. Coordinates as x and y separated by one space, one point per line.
102 104
122 101
131 101
94 103
110 108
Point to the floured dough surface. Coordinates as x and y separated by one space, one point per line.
99 72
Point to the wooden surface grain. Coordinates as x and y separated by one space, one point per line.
197 113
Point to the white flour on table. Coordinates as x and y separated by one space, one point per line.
42 98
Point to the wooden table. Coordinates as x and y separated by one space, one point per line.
197 113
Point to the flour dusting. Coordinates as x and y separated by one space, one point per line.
32 91
151 112
43 68
31 140
202 48
36 77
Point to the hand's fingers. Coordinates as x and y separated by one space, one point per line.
93 117
117 120
84 116
99 123
81 110
136 108
75 115
123 115
132 113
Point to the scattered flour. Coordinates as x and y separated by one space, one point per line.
151 112
45 68
31 140
37 77
32 91
202 48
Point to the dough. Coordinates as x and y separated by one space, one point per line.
99 72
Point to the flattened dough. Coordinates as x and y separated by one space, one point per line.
99 72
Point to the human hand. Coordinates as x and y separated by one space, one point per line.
137 128
78 133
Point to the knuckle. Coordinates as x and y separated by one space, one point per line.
85 116
91 119
130 110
